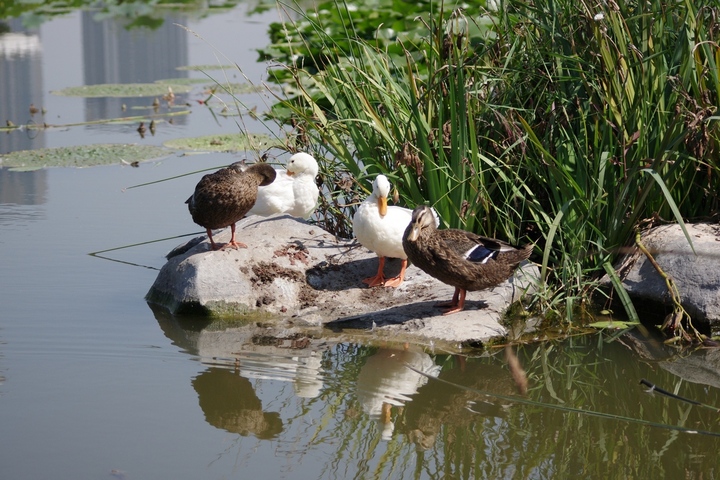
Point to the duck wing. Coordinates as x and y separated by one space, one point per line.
306 194
224 197
474 248
382 235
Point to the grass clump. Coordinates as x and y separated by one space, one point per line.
569 124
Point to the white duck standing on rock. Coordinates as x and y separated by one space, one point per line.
380 228
294 190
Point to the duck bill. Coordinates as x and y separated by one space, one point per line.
414 232
382 206
289 173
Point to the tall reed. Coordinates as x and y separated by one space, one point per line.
569 124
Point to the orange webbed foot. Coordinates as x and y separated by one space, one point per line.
379 278
457 304
234 245
375 281
397 281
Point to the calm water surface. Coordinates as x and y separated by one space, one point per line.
94 384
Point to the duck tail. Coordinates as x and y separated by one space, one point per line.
525 252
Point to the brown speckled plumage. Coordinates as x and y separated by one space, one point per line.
224 197
442 254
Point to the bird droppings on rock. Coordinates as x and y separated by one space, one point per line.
266 272
295 252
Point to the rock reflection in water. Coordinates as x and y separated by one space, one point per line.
303 371
251 350
229 402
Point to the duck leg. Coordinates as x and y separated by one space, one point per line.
457 303
378 279
234 243
212 242
396 281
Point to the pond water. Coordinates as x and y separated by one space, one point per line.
95 384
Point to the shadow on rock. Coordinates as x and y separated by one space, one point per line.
343 276
409 316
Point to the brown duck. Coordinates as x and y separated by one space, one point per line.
224 197
459 258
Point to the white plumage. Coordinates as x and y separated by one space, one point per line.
380 228
294 190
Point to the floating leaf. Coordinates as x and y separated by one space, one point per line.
202 68
224 143
80 156
121 90
614 324
236 88
181 81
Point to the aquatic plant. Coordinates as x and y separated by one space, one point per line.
80 156
123 90
132 13
223 143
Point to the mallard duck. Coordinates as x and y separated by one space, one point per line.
380 228
294 190
224 197
459 258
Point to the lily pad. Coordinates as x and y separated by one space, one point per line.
121 90
235 88
80 156
202 68
181 81
234 142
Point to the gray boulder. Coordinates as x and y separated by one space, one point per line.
296 275
697 275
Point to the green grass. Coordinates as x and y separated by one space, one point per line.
559 122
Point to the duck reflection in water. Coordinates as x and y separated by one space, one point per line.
456 410
385 381
229 402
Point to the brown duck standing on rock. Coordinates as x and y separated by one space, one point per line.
224 197
459 258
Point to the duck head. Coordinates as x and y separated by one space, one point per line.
381 190
302 162
423 218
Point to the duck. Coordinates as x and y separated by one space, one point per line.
224 197
294 190
379 228
459 258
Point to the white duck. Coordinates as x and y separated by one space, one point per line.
380 228
294 190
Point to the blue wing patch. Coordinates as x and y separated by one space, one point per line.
481 254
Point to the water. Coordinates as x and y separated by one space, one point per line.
95 384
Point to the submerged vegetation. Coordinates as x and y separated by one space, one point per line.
568 124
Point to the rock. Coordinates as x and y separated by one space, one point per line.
696 275
296 275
